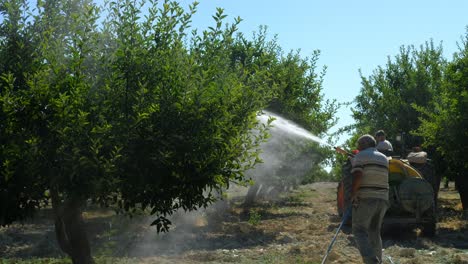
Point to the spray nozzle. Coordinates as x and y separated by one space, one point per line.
344 152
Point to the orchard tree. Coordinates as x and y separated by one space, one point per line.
445 126
387 96
185 112
53 145
17 49
136 112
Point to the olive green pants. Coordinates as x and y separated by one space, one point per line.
368 214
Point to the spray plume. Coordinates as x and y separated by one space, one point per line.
288 156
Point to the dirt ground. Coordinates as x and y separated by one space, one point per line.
297 228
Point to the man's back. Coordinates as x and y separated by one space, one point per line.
384 145
374 167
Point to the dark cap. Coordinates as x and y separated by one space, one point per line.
380 133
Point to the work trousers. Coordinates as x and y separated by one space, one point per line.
368 215
347 188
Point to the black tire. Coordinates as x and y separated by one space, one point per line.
429 229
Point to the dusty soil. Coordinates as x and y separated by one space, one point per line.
296 228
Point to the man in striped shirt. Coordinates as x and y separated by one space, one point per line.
370 198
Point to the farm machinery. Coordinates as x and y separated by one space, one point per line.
411 194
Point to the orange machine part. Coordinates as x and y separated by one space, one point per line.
340 198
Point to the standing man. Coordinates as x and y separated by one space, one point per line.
370 198
383 145
418 159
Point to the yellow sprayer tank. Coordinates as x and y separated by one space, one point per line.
399 170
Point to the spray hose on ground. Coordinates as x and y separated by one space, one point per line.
345 217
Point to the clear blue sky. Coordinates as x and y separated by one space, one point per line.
351 35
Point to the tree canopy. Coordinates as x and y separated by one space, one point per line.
444 127
387 96
125 105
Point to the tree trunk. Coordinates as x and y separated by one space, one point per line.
70 229
251 194
461 182
446 183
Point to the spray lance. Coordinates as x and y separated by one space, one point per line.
344 152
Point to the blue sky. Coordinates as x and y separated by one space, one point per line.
351 35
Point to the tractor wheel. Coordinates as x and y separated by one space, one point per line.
429 229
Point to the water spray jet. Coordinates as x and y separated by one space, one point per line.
291 128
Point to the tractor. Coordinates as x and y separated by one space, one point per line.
411 196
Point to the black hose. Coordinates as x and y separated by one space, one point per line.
345 217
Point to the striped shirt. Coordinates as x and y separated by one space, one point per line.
374 168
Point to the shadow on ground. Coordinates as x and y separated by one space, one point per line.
117 235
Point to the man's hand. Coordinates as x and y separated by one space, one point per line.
357 178
354 200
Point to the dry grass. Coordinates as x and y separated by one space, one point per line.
297 228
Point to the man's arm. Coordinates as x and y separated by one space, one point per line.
357 178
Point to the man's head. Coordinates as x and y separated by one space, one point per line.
417 149
366 141
380 135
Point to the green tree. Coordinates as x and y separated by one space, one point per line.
387 96
136 112
184 112
444 126
16 63
58 156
